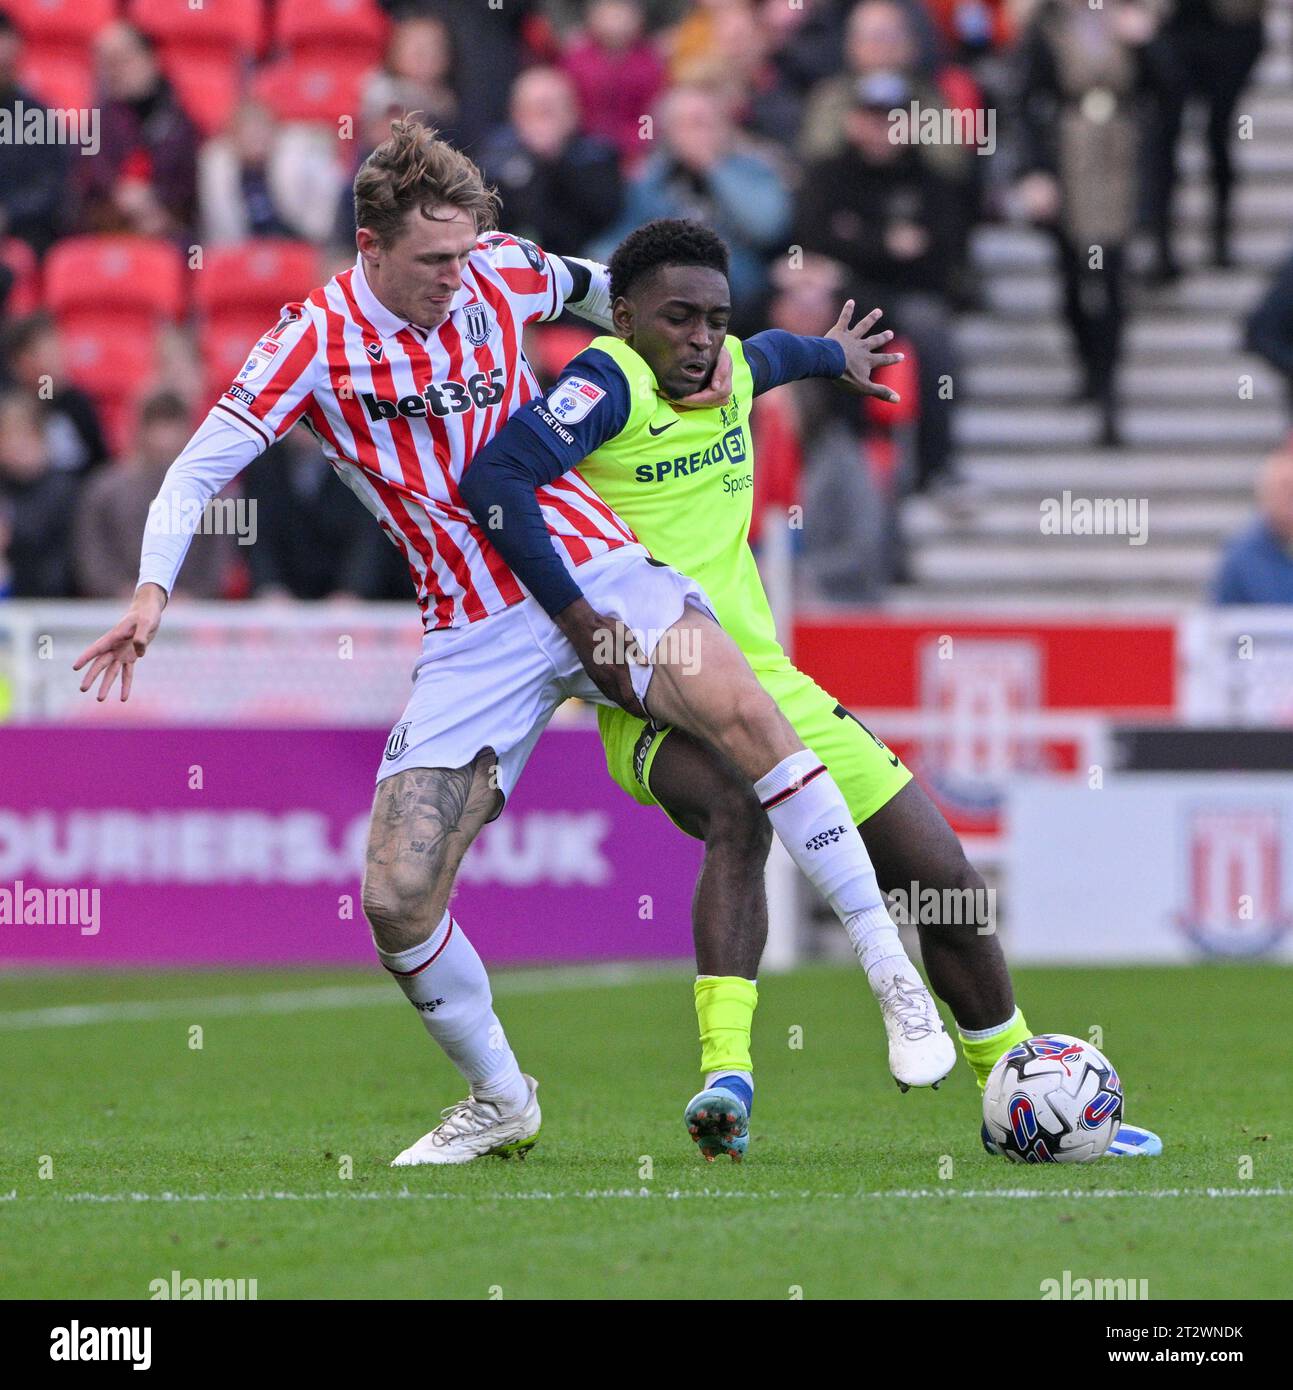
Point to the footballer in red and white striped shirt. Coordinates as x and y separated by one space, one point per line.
400 408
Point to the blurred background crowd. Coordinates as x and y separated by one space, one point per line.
1014 258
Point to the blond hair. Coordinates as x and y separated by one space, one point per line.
415 169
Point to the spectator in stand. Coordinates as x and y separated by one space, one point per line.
31 361
33 178
38 500
813 430
881 36
1205 49
733 58
1084 82
1268 330
560 187
144 178
112 513
314 538
1258 564
418 72
888 217
618 75
262 179
6 573
701 169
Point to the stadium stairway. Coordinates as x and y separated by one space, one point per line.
1192 445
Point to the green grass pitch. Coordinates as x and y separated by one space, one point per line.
226 1160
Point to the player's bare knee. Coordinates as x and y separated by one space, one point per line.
402 906
736 820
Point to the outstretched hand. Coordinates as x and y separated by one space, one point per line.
862 354
116 652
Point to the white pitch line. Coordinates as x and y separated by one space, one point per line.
199 1007
664 1194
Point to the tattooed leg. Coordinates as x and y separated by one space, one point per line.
423 821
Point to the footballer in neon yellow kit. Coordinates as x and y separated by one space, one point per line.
682 479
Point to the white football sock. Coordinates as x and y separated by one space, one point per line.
812 820
445 981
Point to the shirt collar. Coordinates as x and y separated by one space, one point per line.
382 319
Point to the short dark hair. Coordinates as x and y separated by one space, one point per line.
163 405
666 241
20 334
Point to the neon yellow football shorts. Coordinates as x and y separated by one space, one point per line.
866 771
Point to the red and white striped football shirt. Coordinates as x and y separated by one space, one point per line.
401 412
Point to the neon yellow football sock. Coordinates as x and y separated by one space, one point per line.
982 1053
725 1009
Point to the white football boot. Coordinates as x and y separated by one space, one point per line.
920 1051
474 1128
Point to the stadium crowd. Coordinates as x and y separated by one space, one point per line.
233 131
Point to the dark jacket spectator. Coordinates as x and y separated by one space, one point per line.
144 178
487 48
560 188
114 510
33 177
1269 328
31 360
1258 564
618 75
889 218
878 208
314 537
38 503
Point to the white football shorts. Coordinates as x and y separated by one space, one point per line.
495 683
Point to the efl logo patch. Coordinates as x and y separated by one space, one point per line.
573 399
254 366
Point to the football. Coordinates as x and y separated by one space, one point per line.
1052 1099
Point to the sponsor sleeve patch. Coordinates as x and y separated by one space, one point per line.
572 399
256 365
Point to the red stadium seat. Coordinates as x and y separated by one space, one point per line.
255 279
58 76
322 89
233 27
208 85
71 23
321 28
113 356
94 274
24 293
223 345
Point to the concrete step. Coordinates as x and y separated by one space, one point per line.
1211 382
1150 338
991 570
1009 252
1034 291
1157 473
1030 427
